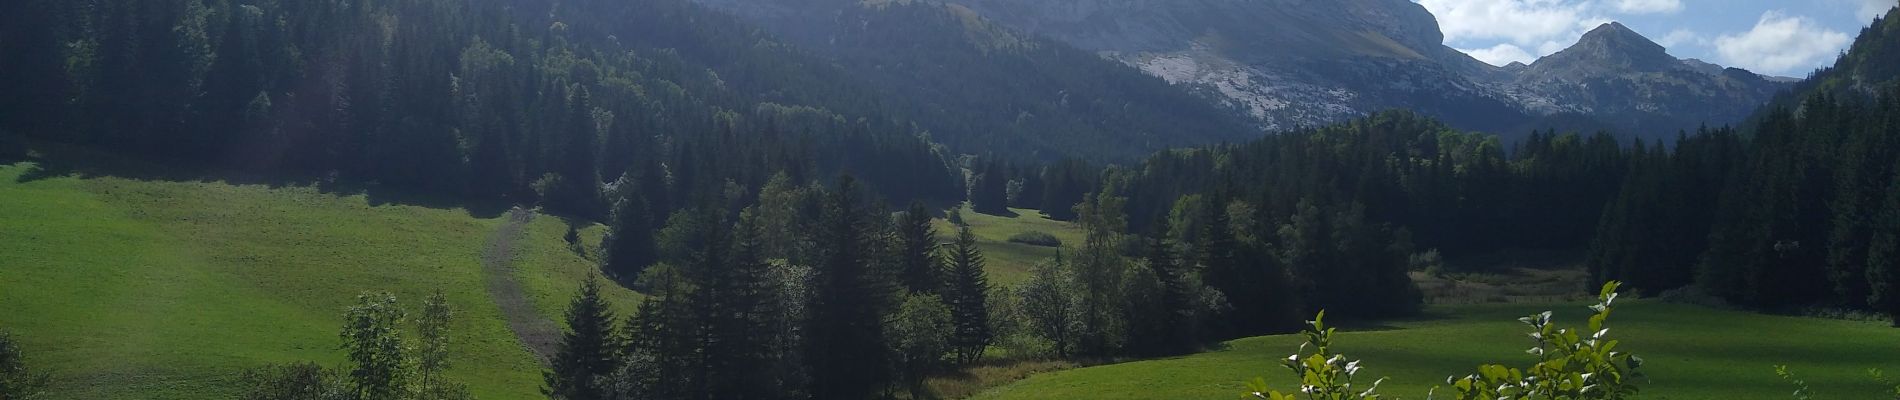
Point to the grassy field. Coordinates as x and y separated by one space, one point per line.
1009 263
127 288
1692 352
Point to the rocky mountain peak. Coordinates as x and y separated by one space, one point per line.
1613 45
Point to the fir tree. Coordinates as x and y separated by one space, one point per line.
588 351
968 295
845 346
918 259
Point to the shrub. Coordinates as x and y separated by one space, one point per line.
16 382
1036 238
1570 366
296 381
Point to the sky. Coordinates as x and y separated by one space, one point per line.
1774 37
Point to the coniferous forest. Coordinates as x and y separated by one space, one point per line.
789 205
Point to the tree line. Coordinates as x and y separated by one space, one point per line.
810 291
536 102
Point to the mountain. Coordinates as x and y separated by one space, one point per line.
1622 78
1866 66
981 87
1307 62
1285 62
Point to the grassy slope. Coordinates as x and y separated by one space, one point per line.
155 290
1692 353
1009 263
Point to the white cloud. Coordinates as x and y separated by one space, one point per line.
1780 44
1648 6
1533 27
1518 21
1501 54
1869 9
1681 38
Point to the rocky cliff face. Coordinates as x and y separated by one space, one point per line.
1626 80
1305 62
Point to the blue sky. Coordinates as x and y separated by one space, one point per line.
1775 37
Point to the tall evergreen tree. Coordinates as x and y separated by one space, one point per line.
737 303
968 295
845 345
990 195
1170 320
919 264
629 243
1883 256
588 351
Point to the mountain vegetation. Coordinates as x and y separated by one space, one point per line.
739 171
530 102
985 88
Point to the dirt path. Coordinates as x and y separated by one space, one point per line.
540 335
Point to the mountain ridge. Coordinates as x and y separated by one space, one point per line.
1290 63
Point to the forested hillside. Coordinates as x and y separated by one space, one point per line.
987 89
535 102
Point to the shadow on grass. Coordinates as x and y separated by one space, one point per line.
1006 213
52 160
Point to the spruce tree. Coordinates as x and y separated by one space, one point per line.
1883 257
844 333
1173 332
736 302
629 243
991 194
918 261
588 351
968 295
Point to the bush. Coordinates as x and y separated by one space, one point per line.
297 381
1571 365
1036 238
16 382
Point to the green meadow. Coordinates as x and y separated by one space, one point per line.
1009 263
136 289
1692 353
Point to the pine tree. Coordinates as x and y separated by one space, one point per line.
968 294
845 346
918 259
588 351
1171 314
629 243
737 302
1883 257
991 192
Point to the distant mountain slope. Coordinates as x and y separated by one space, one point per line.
1305 62
1873 61
984 88
1625 80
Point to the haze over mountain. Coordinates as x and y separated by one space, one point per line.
1291 63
